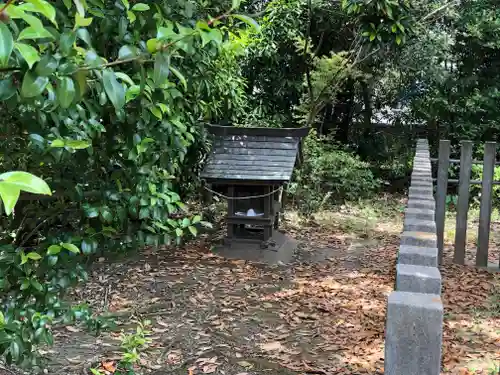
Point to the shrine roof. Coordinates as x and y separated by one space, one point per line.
253 154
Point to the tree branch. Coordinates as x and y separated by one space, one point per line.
308 36
6 5
443 7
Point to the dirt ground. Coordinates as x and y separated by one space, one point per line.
322 314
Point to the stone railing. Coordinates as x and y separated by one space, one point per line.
414 324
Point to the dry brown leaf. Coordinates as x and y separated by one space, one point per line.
245 364
208 369
109 366
271 346
174 356
72 329
162 323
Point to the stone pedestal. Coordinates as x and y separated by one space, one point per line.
280 249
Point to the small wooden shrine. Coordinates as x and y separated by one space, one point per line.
249 166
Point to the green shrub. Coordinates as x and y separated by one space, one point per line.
329 175
475 190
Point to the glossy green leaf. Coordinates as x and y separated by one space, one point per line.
46 66
70 247
57 143
143 213
80 6
132 92
165 33
34 256
5 338
6 44
82 21
92 60
33 21
26 182
140 7
89 246
179 232
193 230
106 217
66 42
206 224
161 68
248 20
15 350
131 16
9 195
26 282
65 91
235 4
52 260
126 52
2 320
36 284
179 75
90 211
45 8
156 112
77 144
29 54
114 89
124 78
33 85
7 88
84 35
32 33
54 249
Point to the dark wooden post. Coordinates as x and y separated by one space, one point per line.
483 237
268 227
230 210
463 202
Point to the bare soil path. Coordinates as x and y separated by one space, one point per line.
323 314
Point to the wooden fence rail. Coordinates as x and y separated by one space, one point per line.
462 207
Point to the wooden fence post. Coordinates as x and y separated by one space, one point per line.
441 192
483 237
463 202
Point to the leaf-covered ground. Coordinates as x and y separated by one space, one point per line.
324 314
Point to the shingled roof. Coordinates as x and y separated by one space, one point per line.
258 154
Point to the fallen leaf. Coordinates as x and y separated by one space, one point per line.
109 366
245 364
162 323
271 346
72 329
208 369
